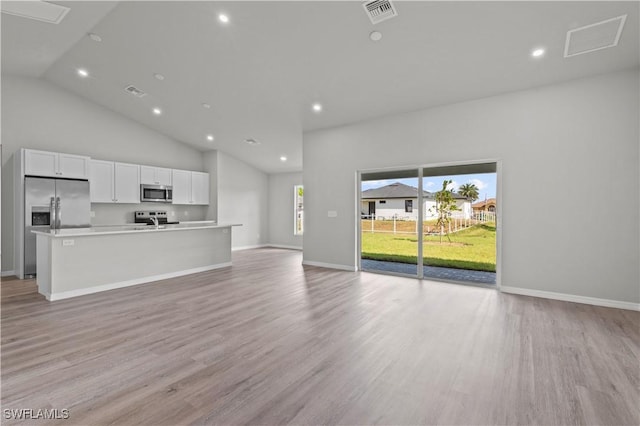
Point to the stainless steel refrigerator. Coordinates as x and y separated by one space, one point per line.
52 204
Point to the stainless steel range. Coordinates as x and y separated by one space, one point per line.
148 216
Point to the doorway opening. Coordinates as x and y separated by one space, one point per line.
435 222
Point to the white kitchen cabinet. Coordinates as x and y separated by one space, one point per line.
200 188
114 182
40 163
101 182
54 164
127 183
181 186
190 187
155 175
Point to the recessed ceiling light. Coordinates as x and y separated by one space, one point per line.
159 76
538 52
210 138
283 158
223 18
83 72
317 107
95 37
206 105
375 36
157 111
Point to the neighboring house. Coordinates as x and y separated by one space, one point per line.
488 205
401 201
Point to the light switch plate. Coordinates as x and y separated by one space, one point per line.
92 213
332 213
68 242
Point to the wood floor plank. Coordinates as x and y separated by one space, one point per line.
269 341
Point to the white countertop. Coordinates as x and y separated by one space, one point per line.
132 228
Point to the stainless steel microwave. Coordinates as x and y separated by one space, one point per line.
156 193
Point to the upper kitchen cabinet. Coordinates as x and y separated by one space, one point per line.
155 175
54 164
114 182
190 187
127 183
101 182
181 186
200 188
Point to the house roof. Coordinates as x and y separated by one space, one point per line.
398 190
395 190
482 203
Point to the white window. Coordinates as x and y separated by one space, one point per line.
298 206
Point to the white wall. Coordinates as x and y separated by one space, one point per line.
573 141
392 207
396 207
243 198
39 115
464 209
281 210
210 159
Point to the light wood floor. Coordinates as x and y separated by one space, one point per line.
269 341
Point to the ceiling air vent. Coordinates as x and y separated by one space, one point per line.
590 38
379 10
252 141
135 91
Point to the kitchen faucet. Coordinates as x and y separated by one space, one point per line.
155 221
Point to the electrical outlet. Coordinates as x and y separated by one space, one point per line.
68 242
186 213
92 214
332 213
172 213
225 231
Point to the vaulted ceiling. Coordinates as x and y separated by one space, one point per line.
261 72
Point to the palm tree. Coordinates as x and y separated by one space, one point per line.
470 191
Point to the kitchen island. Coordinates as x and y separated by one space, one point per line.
75 262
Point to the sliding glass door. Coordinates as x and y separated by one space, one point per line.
436 222
459 230
389 221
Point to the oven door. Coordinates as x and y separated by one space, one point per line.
155 193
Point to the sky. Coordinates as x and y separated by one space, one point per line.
486 183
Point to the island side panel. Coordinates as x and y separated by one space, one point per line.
102 262
43 264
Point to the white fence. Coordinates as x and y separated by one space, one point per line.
398 225
485 216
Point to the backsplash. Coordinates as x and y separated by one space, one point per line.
117 214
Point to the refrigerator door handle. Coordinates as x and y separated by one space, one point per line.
58 213
52 209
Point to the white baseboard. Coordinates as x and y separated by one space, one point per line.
330 265
572 298
7 273
129 283
282 246
248 247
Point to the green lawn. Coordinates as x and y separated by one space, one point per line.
473 248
